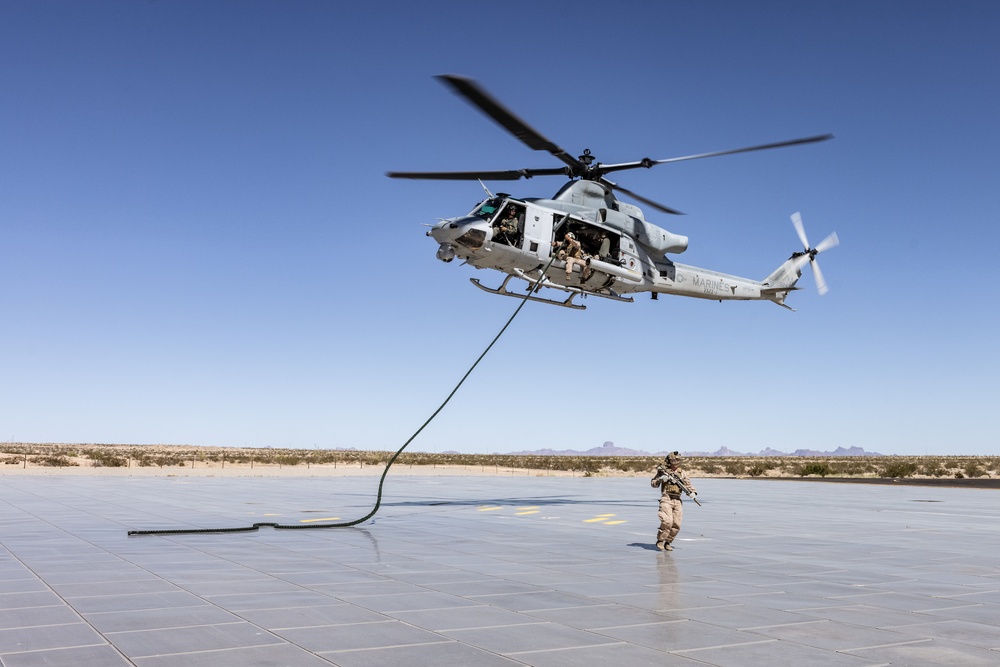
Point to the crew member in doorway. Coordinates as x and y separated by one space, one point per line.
506 229
572 253
671 480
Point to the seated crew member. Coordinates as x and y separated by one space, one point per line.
506 229
572 253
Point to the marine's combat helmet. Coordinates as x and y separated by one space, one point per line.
673 457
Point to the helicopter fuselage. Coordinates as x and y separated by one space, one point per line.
624 253
615 252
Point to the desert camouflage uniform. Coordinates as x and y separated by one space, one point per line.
572 252
507 227
671 510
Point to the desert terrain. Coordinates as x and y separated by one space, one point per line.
184 460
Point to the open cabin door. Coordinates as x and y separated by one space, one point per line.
538 231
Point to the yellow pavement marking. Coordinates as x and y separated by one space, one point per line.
329 518
527 512
529 507
614 523
271 514
599 517
489 509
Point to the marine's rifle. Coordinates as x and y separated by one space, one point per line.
671 476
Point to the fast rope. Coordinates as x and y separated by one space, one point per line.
378 501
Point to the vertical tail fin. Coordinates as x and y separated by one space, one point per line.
782 281
785 275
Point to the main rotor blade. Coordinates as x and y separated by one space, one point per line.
649 163
509 175
644 200
506 118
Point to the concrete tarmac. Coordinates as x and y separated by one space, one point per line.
494 571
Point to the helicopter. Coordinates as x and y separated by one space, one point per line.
584 241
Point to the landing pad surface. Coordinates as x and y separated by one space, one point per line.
494 571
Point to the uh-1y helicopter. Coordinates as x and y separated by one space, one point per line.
584 240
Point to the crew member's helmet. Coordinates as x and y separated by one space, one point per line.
673 457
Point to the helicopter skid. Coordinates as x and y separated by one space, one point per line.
545 282
533 282
502 291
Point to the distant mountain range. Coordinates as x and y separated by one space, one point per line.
609 449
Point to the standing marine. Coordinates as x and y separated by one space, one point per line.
672 482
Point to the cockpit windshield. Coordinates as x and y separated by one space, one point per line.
487 209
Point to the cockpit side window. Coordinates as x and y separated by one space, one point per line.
487 209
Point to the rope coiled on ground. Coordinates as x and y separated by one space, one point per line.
378 499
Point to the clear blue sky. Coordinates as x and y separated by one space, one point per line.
198 244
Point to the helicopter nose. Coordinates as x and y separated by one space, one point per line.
441 232
449 230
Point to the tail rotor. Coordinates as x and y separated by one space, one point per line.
809 254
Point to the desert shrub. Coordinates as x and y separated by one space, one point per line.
806 469
54 460
379 458
643 465
262 457
734 468
849 467
710 468
757 469
783 467
631 464
932 469
103 458
972 469
898 469
167 460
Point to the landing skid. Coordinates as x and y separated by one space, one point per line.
545 282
